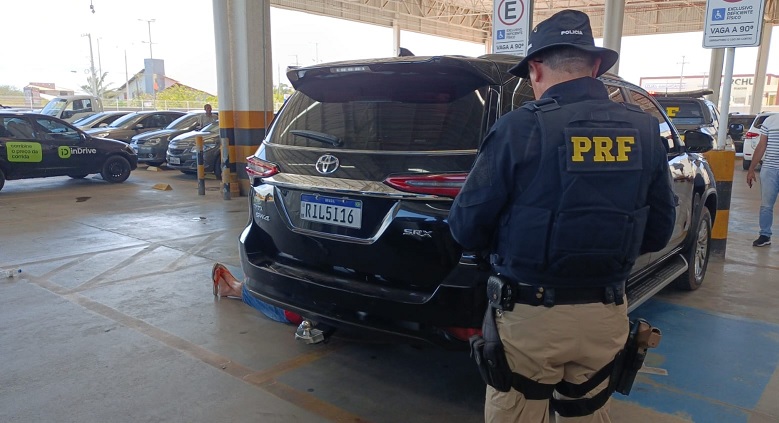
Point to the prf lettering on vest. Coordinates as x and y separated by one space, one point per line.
601 149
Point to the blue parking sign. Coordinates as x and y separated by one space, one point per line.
501 34
718 14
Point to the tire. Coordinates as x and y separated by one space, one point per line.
79 176
116 169
745 164
697 254
2 179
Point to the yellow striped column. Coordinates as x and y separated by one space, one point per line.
245 84
722 163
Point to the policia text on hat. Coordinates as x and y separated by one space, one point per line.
564 195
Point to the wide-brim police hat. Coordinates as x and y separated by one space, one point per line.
569 28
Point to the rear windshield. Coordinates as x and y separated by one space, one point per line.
684 112
420 121
759 120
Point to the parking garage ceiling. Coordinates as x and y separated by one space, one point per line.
471 20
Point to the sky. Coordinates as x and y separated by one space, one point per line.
51 46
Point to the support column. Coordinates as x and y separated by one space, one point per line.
613 22
244 80
715 73
756 105
396 37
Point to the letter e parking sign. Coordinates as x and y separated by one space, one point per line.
510 23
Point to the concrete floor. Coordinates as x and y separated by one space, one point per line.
112 320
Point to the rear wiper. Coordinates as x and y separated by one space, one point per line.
318 136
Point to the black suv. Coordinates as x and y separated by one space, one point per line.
352 185
33 145
691 113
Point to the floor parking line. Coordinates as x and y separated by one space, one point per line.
264 379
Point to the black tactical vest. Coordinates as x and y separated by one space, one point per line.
581 220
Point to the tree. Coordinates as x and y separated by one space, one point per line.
102 87
180 92
280 92
10 90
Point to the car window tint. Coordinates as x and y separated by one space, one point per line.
19 128
648 106
184 122
424 121
52 130
684 112
520 94
124 120
154 121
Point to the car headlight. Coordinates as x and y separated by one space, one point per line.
153 141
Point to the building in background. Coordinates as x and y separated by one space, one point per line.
741 88
36 92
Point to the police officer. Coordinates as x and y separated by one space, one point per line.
564 194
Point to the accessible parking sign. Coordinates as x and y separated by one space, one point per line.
733 23
510 21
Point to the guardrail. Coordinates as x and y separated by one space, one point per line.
114 104
117 104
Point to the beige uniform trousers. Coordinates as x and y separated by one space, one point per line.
549 344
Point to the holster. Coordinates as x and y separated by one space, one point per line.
487 350
641 337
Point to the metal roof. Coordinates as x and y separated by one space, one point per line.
471 20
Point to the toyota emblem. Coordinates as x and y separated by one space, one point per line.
327 164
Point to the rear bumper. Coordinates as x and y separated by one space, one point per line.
350 304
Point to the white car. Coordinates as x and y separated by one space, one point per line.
752 137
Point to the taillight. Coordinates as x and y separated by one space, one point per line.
445 185
463 334
751 135
260 168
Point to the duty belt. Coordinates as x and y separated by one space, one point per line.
550 296
503 294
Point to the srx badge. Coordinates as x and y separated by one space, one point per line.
602 149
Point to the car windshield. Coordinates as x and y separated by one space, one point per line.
684 112
54 107
125 120
211 128
86 120
184 122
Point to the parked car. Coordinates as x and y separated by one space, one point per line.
72 107
151 147
690 113
132 124
182 154
737 125
752 137
33 145
352 185
99 120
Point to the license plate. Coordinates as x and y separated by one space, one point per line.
174 160
334 211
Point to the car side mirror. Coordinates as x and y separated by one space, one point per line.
698 142
138 126
102 125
